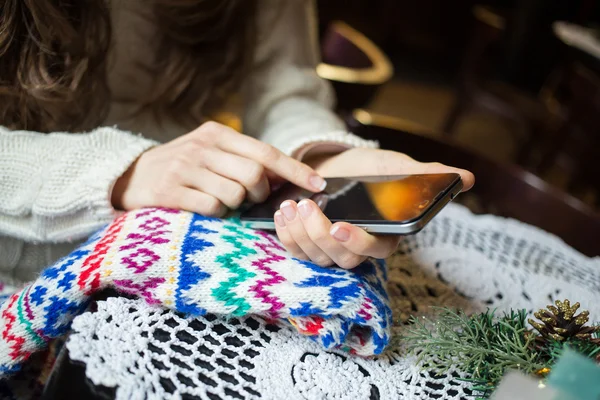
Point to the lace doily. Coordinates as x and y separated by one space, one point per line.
459 260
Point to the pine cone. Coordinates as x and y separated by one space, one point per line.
560 322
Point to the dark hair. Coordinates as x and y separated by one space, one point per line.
53 57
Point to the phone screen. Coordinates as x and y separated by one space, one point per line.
400 198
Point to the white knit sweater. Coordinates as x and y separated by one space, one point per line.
55 188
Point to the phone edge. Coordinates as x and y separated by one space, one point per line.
387 228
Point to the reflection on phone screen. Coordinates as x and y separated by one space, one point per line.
393 198
406 199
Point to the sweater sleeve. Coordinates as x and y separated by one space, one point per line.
286 103
56 187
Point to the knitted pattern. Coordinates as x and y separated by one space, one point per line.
198 265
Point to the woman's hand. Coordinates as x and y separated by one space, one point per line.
367 162
308 234
207 171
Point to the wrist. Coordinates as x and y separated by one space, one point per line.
120 187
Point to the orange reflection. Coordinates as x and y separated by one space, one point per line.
407 198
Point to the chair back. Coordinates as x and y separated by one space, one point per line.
354 65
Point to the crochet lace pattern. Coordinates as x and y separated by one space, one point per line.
460 260
196 266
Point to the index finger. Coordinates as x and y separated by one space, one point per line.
273 159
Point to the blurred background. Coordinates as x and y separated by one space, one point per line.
515 81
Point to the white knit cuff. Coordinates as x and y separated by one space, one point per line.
60 182
113 151
125 149
332 142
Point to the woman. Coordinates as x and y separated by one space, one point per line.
104 106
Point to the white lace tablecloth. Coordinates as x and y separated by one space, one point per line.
459 260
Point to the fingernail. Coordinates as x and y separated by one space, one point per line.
304 208
318 183
279 220
288 210
340 233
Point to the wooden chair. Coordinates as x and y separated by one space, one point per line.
501 189
354 65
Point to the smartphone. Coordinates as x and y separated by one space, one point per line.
393 205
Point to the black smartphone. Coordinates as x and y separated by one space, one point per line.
401 204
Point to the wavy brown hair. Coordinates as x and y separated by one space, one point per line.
53 59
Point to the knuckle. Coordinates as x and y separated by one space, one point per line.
349 260
254 175
262 196
192 152
181 157
300 256
238 195
195 150
320 235
322 261
194 147
175 169
299 173
287 242
212 207
302 237
268 154
210 126
207 130
161 192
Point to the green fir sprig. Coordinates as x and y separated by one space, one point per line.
486 346
482 345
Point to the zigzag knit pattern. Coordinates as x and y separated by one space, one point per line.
198 265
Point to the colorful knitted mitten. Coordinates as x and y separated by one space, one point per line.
197 265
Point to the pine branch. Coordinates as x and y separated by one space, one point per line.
481 345
486 346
